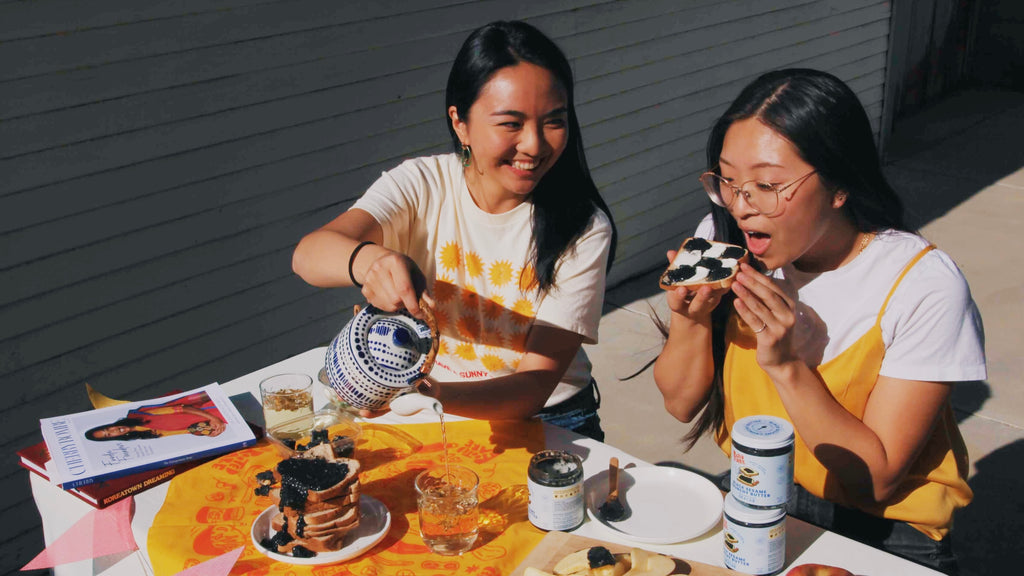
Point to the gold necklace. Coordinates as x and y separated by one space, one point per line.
864 243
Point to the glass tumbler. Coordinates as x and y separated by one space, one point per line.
446 497
286 397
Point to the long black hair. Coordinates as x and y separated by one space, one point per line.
566 197
132 435
826 123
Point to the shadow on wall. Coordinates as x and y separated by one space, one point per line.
986 534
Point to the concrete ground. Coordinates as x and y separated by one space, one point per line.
960 167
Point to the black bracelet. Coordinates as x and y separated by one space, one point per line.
352 260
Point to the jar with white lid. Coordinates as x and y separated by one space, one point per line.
754 539
762 461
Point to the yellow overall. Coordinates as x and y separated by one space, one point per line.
935 485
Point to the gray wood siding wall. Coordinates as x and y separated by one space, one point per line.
159 161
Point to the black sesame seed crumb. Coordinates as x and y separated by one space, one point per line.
299 551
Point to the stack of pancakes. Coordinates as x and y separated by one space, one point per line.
318 499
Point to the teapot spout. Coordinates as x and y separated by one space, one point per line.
414 403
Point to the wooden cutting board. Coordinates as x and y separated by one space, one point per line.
556 545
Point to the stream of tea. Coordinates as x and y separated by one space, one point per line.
447 503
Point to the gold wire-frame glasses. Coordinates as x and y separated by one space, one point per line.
764 199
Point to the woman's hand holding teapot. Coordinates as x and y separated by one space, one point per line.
394 282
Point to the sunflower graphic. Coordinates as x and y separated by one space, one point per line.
465 351
492 362
494 307
474 265
445 289
469 327
527 278
501 273
450 256
524 312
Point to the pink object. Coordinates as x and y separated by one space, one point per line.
98 533
219 566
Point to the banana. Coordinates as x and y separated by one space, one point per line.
646 563
578 564
573 563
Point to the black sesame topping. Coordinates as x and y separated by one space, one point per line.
696 245
599 556
680 274
719 273
733 252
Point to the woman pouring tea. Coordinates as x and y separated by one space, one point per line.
851 327
508 237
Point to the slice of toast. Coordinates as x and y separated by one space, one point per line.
350 497
701 262
328 543
347 518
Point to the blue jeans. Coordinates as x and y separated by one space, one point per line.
893 536
578 413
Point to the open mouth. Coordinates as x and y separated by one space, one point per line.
526 165
758 242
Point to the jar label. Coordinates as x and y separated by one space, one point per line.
762 481
750 550
556 508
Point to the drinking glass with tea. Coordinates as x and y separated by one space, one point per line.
286 397
446 497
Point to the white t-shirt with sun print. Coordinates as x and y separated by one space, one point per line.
477 265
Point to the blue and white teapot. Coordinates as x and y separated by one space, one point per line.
378 358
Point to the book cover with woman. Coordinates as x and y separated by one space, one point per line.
118 440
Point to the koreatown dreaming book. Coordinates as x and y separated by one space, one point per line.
116 441
105 492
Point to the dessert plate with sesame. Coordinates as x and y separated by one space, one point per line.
373 526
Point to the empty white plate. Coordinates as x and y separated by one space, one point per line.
664 505
373 526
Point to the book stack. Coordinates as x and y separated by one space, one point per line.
105 492
104 455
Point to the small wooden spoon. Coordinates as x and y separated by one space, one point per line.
612 510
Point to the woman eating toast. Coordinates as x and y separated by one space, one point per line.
846 324
507 236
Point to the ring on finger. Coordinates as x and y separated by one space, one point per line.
761 329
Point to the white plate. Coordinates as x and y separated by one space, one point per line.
664 505
373 526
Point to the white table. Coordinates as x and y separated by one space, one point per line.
805 543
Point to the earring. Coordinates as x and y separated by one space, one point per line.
466 155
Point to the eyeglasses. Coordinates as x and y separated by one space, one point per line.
763 198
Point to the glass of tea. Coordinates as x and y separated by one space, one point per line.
286 397
446 497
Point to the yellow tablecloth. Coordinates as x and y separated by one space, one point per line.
209 510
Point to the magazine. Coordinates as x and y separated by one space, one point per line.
105 492
111 442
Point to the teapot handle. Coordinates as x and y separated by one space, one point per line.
435 336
